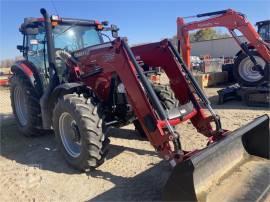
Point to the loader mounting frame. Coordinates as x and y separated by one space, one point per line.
119 58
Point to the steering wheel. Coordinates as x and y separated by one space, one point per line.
63 55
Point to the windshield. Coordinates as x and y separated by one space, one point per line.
264 32
75 37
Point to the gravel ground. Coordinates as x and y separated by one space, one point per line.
32 169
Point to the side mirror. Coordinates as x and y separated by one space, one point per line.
20 48
115 30
105 23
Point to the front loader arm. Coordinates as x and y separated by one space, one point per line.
161 54
117 57
114 58
229 19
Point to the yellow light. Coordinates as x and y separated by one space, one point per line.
100 26
54 23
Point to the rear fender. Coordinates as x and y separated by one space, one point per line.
31 73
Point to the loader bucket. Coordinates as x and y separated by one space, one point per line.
237 168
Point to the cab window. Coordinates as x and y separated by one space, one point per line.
264 32
37 49
72 38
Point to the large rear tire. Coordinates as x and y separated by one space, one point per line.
167 99
25 106
243 70
79 131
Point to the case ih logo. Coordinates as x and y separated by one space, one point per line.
109 57
82 53
87 51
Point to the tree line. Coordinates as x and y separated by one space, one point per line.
203 34
6 63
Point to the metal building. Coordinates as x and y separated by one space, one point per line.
226 47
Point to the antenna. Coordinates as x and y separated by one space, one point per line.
54 7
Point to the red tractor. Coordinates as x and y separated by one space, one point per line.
251 66
76 84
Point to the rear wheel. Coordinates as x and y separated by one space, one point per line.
244 71
167 99
25 106
79 132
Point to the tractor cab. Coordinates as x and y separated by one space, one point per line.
264 29
67 35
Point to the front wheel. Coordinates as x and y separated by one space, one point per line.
79 132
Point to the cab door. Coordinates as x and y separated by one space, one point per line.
37 53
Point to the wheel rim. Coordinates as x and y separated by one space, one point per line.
247 72
20 105
70 134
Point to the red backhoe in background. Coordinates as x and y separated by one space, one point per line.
251 66
73 82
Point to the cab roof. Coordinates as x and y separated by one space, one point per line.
31 22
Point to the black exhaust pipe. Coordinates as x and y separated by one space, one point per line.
54 80
50 44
